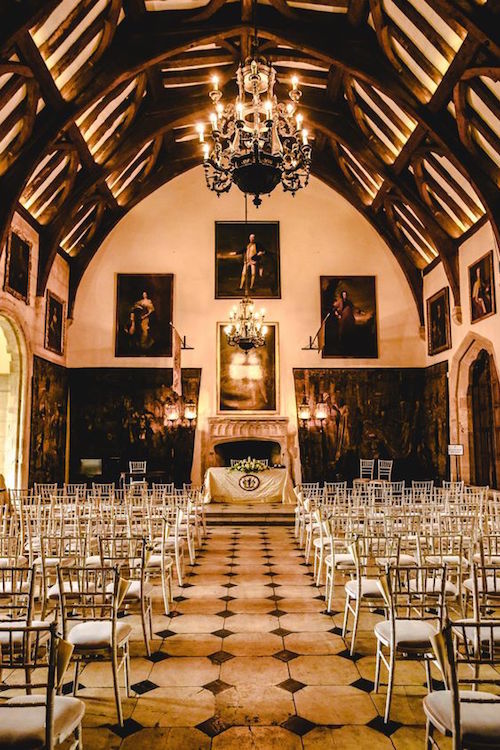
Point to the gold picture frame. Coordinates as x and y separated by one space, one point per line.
248 383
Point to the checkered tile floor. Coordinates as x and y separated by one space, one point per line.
250 659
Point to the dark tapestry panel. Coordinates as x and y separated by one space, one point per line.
436 417
373 413
48 422
118 415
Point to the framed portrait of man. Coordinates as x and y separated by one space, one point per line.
144 314
247 259
18 266
55 314
438 322
349 317
248 382
482 288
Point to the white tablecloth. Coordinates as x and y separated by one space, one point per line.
223 486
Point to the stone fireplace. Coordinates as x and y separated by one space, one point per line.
223 434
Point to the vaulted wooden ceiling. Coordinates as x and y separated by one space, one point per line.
99 100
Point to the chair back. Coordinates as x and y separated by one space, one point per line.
43 657
384 469
75 490
106 489
414 592
90 594
366 468
137 467
17 595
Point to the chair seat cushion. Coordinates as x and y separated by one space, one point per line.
433 585
96 634
134 590
448 559
485 633
22 723
492 585
13 562
16 636
341 560
53 562
479 720
93 561
70 587
488 559
155 561
370 589
411 635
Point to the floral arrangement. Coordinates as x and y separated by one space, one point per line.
249 465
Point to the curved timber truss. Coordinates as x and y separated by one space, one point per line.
99 101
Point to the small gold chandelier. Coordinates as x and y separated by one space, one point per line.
246 327
257 142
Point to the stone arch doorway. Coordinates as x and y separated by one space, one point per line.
12 398
474 386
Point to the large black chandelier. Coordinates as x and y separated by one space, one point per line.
256 142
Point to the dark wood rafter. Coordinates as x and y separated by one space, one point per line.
357 12
22 17
52 95
481 22
145 43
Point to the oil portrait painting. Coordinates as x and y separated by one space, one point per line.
247 258
144 315
248 381
349 315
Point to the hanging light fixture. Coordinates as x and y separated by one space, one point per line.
256 142
304 411
246 327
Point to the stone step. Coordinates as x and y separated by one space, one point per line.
243 514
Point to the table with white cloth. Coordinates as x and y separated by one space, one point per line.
269 486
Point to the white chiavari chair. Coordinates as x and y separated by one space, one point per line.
159 560
43 720
384 469
90 599
415 601
363 592
130 556
468 656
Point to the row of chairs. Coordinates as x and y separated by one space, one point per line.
82 560
422 572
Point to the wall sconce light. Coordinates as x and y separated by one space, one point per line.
190 412
171 414
304 412
321 411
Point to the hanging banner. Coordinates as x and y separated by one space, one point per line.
176 352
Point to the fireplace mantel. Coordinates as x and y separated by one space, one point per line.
222 429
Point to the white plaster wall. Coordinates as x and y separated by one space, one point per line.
29 324
471 250
173 231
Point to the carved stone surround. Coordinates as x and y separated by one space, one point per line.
230 429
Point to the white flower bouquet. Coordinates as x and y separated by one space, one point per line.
249 465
